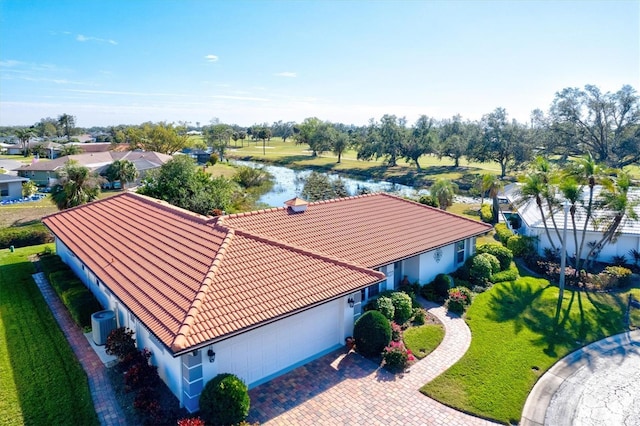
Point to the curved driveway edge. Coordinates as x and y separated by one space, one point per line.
535 408
345 388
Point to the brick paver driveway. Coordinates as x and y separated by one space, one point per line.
345 388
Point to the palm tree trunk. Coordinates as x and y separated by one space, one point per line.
584 229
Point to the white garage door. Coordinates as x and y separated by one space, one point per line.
275 348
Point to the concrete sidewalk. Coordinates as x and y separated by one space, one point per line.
565 389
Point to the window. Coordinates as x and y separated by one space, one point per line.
374 290
460 251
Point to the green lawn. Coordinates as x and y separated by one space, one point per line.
515 339
41 382
423 340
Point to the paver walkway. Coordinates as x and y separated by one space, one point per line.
345 388
104 399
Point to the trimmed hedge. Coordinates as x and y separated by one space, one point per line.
486 213
24 236
503 233
504 255
521 246
510 274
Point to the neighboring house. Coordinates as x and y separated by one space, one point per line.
100 146
254 294
11 187
43 173
201 156
528 221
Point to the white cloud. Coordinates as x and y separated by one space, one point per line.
286 74
211 58
10 63
83 38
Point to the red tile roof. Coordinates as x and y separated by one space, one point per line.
191 280
370 230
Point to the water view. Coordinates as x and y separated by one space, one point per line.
288 183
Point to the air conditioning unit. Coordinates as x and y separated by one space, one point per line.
102 323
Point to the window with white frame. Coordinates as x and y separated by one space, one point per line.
460 251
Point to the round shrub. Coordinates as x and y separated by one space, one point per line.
428 200
372 332
441 285
385 306
486 213
482 266
504 255
419 316
224 400
120 342
396 357
459 299
403 307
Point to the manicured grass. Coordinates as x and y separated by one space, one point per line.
41 381
423 340
515 338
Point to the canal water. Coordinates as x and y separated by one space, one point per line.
288 183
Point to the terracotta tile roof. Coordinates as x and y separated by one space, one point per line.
370 230
190 280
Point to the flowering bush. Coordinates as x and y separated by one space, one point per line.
197 421
386 308
396 357
141 373
396 332
459 299
120 342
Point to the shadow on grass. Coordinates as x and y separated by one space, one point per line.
582 318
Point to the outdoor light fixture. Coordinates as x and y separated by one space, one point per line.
212 355
351 302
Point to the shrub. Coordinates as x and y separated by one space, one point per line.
403 307
146 402
441 285
486 213
419 316
77 298
510 274
248 177
141 373
616 276
428 200
24 236
503 254
503 232
459 299
120 343
482 267
197 421
213 159
520 245
372 333
385 306
224 400
396 332
396 357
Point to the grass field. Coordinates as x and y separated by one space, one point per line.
515 339
41 381
423 340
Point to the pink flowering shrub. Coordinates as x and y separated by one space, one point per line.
397 357
396 332
459 299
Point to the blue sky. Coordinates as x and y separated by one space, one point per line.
245 62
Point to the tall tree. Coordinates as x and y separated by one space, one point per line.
317 134
340 144
76 185
605 124
444 191
384 139
123 171
422 141
159 137
500 141
67 123
453 139
70 149
182 183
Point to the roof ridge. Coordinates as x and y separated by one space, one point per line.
407 200
166 206
309 252
180 341
352 197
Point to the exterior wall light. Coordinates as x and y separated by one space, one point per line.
212 355
351 302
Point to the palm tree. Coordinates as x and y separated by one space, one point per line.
24 135
76 186
67 123
494 185
572 192
444 190
615 201
533 188
70 149
123 171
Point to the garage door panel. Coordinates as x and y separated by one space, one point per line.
275 347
